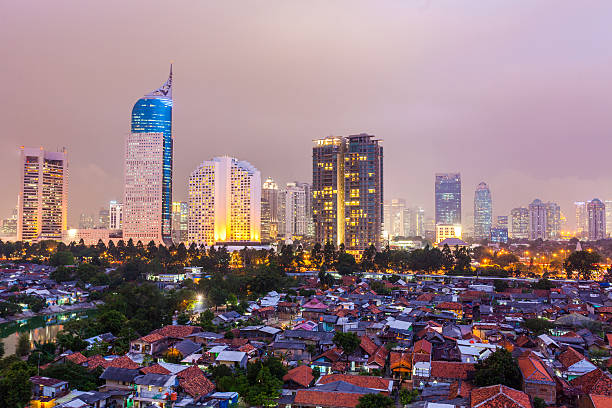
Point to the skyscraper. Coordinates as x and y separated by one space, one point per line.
270 201
296 213
448 198
520 223
180 216
395 218
115 212
537 220
43 196
347 191
608 204
596 219
224 202
149 152
553 220
582 219
483 212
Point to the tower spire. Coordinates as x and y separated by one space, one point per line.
165 91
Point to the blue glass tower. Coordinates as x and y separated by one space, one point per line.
153 114
448 198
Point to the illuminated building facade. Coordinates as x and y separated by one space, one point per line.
142 204
582 218
115 215
537 220
553 220
395 222
448 198
224 202
596 219
152 117
444 231
499 234
519 223
180 216
608 204
348 190
269 210
43 195
483 212
295 220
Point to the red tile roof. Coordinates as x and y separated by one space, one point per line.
422 346
595 382
451 370
449 306
178 331
425 297
368 345
601 401
379 357
301 375
153 337
366 381
326 399
398 360
155 369
570 357
123 362
499 396
533 369
76 358
96 361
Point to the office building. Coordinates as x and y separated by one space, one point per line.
115 215
448 198
582 219
270 211
444 231
180 216
9 226
596 211
43 195
296 213
148 168
395 221
538 220
224 202
499 234
483 212
553 220
502 221
608 204
86 221
347 191
519 223
103 218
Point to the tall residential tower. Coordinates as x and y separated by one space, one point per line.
43 195
483 212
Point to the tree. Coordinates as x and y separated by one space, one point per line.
15 385
500 285
539 403
407 396
111 321
23 345
346 264
182 318
348 342
584 263
266 389
498 368
375 401
78 377
61 258
543 284
538 326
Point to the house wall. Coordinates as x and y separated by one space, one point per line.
545 391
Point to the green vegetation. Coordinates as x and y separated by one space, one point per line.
15 385
581 264
375 401
538 325
78 377
498 368
348 342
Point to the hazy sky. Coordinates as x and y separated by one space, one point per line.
514 93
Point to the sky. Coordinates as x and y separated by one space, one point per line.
514 93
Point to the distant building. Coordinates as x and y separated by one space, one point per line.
348 190
103 218
9 225
499 234
502 221
520 223
582 219
115 215
448 198
296 214
86 221
483 212
224 202
395 218
147 205
269 205
608 204
43 195
180 216
553 220
537 220
91 236
444 231
596 219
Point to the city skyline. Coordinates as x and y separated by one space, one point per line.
401 97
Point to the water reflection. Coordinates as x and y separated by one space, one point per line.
40 329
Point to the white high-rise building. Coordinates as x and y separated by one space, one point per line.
608 204
582 219
295 218
43 195
224 202
394 221
115 215
142 205
538 220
